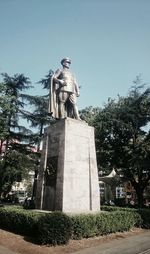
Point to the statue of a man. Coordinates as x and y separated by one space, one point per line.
63 92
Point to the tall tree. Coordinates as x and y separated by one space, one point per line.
39 119
122 138
4 108
15 138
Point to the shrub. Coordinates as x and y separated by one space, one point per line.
84 225
116 208
19 220
57 227
88 225
54 228
50 228
145 216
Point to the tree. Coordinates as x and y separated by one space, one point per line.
122 139
89 113
13 168
4 109
15 157
39 119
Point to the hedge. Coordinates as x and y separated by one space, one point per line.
54 228
89 225
57 228
46 228
18 220
145 216
117 208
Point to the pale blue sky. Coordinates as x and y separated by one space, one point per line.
108 42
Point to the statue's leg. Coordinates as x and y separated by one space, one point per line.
75 112
62 99
73 102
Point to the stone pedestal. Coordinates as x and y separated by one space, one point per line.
68 177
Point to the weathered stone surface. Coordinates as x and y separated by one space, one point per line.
68 180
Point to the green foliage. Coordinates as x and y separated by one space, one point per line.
89 225
84 225
5 107
15 140
45 82
122 139
39 119
13 168
117 208
142 216
51 228
142 221
55 228
19 221
117 221
89 113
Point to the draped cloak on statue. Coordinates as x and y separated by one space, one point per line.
53 108
53 99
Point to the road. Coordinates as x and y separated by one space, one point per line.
137 244
4 250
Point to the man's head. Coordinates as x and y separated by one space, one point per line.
66 62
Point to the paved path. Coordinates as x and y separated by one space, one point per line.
137 244
4 250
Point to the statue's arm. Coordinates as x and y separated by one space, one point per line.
57 79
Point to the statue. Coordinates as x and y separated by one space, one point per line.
64 91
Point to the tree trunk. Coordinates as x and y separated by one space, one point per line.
139 189
140 193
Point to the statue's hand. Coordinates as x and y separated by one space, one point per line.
62 82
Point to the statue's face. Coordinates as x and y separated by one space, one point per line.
66 64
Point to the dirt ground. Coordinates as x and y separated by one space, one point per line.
21 245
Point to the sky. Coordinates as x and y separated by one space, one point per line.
108 42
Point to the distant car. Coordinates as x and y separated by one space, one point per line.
21 200
111 202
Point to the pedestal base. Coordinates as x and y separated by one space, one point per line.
68 177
